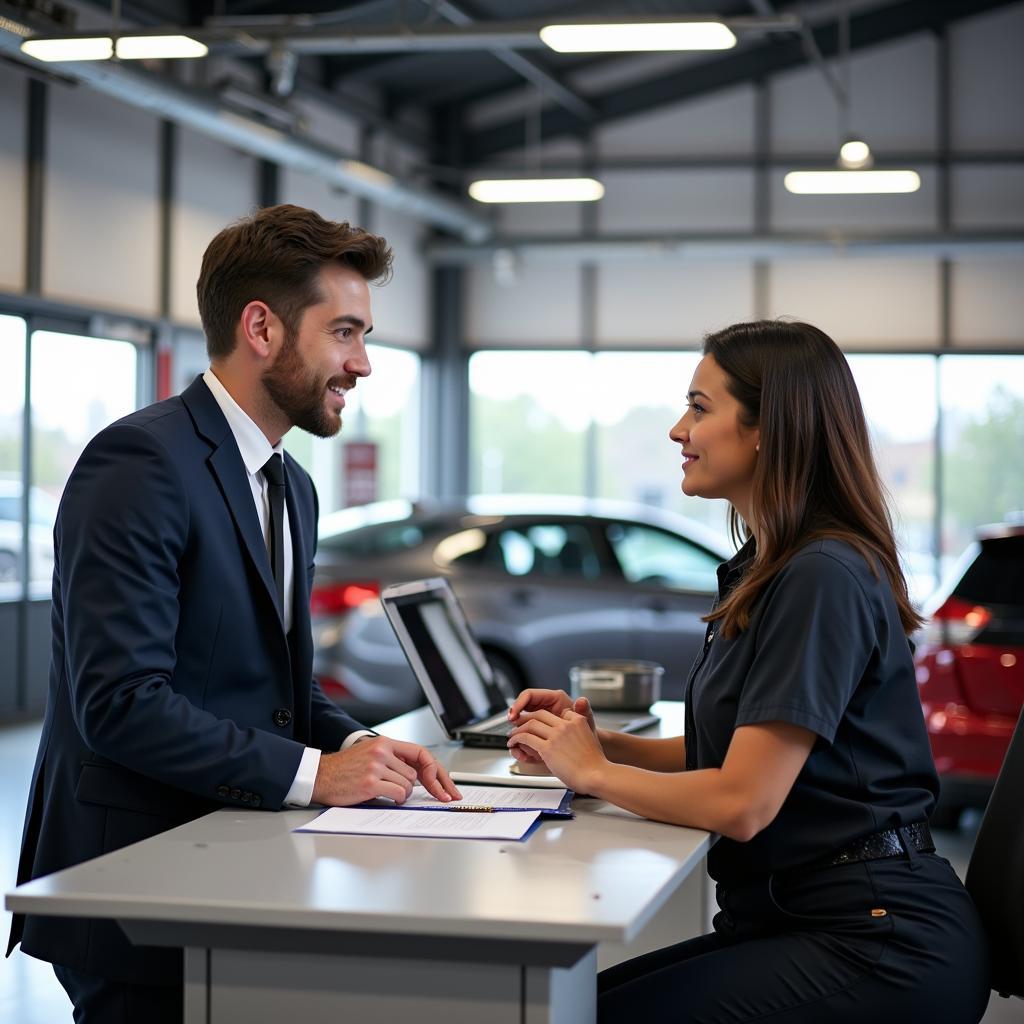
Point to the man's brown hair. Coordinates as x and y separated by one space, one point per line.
276 256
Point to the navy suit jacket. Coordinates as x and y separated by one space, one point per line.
173 688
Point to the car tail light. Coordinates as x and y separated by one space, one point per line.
956 622
338 598
333 688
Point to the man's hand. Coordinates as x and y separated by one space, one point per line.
380 767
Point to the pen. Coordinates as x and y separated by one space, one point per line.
471 808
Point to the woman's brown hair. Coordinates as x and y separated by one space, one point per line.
815 476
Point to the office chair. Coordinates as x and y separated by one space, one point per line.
995 875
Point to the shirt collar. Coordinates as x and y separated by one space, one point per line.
252 443
731 572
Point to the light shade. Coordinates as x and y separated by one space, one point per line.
671 35
854 154
536 190
834 183
159 47
92 48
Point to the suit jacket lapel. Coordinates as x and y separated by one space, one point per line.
301 557
227 466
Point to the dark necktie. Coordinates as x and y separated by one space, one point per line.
273 470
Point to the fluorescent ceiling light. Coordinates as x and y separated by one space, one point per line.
96 48
159 47
826 183
672 35
537 190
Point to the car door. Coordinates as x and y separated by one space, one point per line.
671 583
542 591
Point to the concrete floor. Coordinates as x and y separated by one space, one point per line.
29 993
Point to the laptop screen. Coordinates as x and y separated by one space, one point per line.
433 632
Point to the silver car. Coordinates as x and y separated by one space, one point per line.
544 583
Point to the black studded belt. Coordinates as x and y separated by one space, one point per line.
878 845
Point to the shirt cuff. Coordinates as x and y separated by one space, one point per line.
354 737
301 792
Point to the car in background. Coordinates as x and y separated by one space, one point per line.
43 514
970 667
544 583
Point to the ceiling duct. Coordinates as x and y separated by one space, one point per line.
202 113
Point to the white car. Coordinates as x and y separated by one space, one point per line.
43 514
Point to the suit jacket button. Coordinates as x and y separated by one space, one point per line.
256 800
235 793
282 718
222 792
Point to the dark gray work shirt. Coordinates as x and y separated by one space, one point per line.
825 649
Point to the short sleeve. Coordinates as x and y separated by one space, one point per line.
814 638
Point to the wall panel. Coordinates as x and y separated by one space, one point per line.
540 306
861 303
892 101
663 201
722 123
988 304
988 196
988 80
13 90
670 303
401 307
215 185
101 214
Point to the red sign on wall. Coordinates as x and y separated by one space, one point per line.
360 472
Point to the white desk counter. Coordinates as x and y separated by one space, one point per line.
276 924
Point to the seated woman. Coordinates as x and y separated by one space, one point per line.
805 746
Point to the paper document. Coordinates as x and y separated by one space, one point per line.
389 821
486 779
498 797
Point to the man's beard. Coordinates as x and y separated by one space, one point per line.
298 391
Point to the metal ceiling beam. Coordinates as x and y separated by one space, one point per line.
745 162
527 67
757 61
295 35
730 246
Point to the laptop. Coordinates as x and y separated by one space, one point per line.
453 671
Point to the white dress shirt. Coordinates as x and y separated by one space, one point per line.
255 450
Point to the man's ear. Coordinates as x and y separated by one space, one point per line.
255 327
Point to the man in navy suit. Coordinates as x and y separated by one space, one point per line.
181 676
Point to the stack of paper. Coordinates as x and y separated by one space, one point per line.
484 812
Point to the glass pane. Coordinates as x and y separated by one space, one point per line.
79 386
382 409
529 414
638 397
12 402
648 555
982 445
898 394
559 550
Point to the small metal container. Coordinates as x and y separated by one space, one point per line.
625 685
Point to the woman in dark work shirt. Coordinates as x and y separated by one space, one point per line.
805 745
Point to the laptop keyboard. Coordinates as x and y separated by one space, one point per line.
501 729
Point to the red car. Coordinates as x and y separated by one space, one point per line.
970 668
